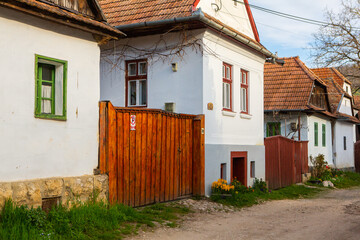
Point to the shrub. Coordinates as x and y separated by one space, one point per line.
221 187
260 185
319 166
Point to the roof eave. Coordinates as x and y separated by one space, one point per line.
199 16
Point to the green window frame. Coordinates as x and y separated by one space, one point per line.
50 88
316 134
273 129
324 135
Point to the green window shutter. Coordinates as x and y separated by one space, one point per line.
316 134
324 135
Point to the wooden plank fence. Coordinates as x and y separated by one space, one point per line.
357 156
285 161
151 155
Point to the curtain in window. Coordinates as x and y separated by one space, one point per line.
46 104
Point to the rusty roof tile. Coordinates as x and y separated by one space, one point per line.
132 11
331 73
288 87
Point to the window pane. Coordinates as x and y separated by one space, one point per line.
46 106
224 71
227 86
47 72
226 95
132 93
227 73
243 99
143 92
46 103
132 69
243 79
142 68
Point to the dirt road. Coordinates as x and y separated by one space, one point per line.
332 215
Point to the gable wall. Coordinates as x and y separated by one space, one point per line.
345 106
37 148
182 87
231 15
80 6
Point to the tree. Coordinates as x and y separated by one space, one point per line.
338 42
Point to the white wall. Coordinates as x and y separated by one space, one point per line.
230 14
288 119
182 87
344 158
345 106
37 148
237 129
316 150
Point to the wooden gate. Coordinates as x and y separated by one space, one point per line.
357 156
285 161
151 155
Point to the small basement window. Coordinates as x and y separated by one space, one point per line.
252 169
49 203
223 171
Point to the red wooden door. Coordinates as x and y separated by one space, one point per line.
239 167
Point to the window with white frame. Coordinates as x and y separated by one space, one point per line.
244 91
136 83
227 87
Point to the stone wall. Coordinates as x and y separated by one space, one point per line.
69 189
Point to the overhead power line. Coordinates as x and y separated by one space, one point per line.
290 16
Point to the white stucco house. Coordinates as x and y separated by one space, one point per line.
50 88
297 106
345 126
194 57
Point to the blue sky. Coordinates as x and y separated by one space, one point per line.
288 37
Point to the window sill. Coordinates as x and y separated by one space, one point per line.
50 117
228 113
245 116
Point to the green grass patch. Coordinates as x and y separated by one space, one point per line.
249 198
347 180
84 221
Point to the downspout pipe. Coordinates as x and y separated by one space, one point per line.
199 16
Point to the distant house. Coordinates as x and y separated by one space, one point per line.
344 128
50 88
195 57
296 106
357 114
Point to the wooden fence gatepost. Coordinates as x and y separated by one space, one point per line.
107 144
199 156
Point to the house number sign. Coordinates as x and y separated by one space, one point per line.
133 122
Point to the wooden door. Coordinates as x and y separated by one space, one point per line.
239 167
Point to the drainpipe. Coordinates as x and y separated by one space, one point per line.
299 128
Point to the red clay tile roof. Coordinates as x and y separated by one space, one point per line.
357 102
288 87
324 73
53 12
120 13
123 12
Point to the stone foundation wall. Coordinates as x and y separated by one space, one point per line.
69 189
